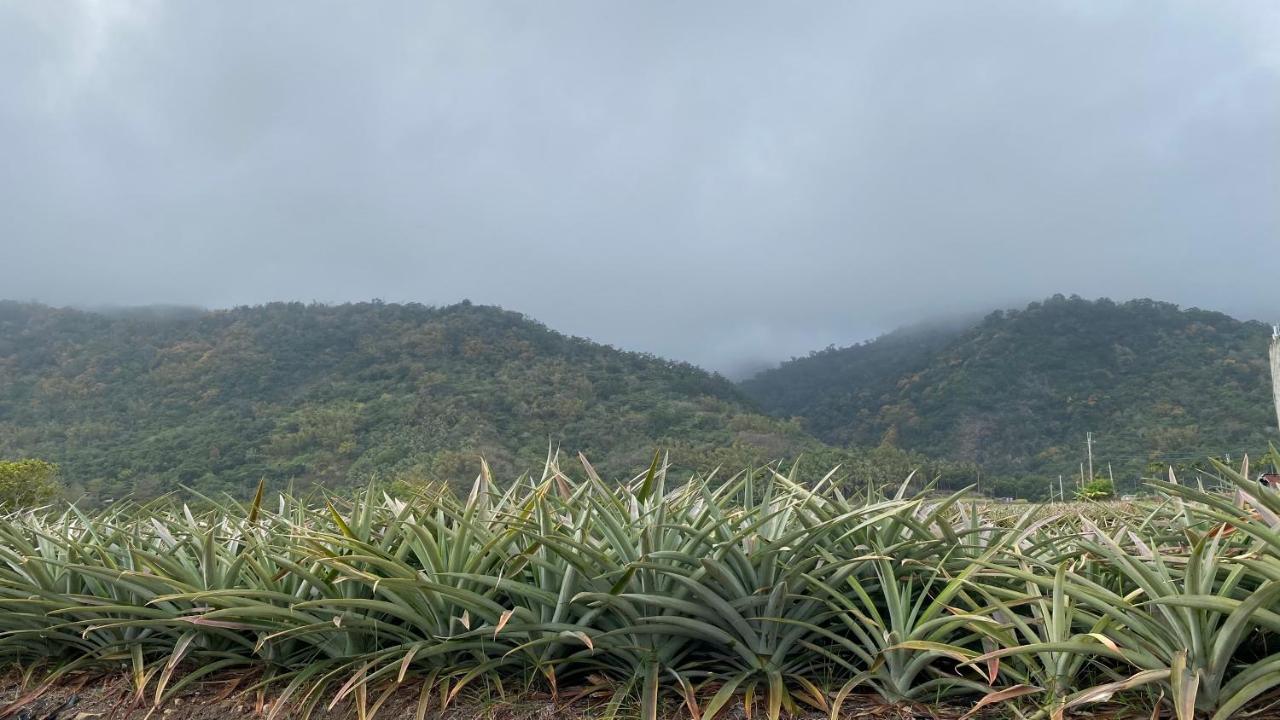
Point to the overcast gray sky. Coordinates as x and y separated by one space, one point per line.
727 183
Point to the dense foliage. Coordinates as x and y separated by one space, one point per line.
1017 392
760 590
138 403
141 402
27 483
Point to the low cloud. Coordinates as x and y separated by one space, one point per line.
724 184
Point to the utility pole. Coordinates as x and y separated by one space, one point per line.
1275 369
1088 441
1062 496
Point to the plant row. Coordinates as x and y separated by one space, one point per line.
756 589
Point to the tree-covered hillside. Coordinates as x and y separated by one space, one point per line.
143 402
861 373
1017 392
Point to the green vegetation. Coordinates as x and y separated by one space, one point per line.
28 483
755 589
142 402
1097 489
139 403
1017 392
760 589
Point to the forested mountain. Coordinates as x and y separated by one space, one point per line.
1017 391
141 402
867 371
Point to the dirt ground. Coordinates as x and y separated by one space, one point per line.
111 697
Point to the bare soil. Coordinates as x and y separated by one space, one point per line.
96 696
111 697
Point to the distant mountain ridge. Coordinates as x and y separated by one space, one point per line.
1017 391
139 402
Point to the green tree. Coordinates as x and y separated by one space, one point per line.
1099 489
27 483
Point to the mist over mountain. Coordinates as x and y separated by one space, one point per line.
725 184
1017 392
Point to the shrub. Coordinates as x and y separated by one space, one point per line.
27 483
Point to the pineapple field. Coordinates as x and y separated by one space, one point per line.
760 595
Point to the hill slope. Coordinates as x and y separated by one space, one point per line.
1018 391
141 401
